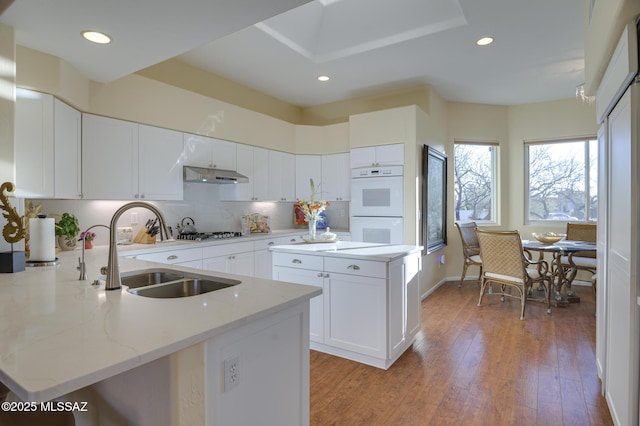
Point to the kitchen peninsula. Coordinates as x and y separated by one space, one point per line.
369 309
146 361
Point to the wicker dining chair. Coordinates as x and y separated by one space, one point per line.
504 263
584 260
470 248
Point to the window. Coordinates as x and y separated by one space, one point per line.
562 180
474 181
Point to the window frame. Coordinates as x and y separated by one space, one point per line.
495 161
587 141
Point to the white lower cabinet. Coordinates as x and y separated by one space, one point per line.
233 258
190 257
356 313
369 310
262 256
316 305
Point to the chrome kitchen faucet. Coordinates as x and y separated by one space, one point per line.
113 269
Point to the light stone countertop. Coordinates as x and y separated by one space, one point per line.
136 249
59 334
351 250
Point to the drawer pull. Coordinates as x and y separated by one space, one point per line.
172 257
231 257
293 240
296 261
271 243
320 274
326 275
354 267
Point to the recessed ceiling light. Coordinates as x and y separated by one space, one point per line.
96 37
484 41
323 78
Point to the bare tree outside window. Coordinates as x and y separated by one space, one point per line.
562 180
474 181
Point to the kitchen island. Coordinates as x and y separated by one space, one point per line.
369 309
145 361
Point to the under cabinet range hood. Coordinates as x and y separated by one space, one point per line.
204 175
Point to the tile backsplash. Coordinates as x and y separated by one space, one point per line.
201 202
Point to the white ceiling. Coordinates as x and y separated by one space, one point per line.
366 46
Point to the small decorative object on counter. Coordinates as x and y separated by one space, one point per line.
329 236
124 235
256 223
322 221
87 237
31 211
13 232
310 210
67 229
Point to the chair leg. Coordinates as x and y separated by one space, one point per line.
483 287
523 300
464 273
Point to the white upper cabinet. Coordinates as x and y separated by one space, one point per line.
252 162
203 151
336 177
116 165
374 156
34 144
47 147
282 171
67 151
159 163
109 158
308 167
330 173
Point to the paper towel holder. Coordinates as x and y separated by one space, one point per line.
32 263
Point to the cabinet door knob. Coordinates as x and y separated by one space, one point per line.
296 261
326 275
232 257
320 274
354 267
172 257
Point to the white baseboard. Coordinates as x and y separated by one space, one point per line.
434 288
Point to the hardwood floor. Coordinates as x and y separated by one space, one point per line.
473 365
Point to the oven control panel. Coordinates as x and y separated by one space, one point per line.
367 172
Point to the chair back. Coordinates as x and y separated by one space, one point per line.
582 232
470 244
502 254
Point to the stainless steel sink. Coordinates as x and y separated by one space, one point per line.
167 284
150 277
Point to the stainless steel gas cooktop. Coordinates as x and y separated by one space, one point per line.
201 236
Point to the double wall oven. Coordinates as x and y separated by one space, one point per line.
377 205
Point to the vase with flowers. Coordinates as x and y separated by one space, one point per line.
311 210
87 237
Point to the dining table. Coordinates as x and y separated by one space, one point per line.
562 273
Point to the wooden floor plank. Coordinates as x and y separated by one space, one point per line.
474 366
